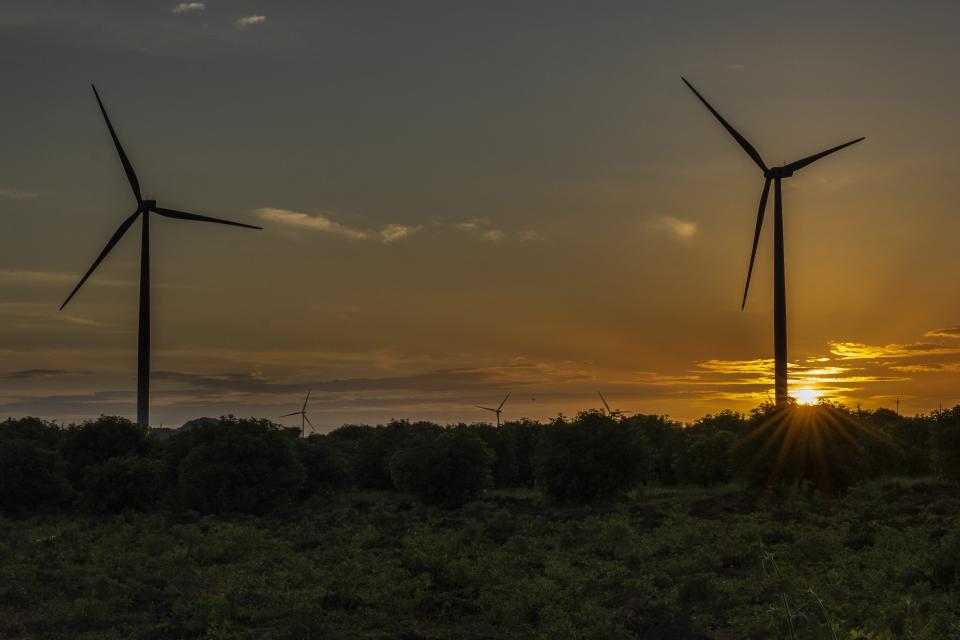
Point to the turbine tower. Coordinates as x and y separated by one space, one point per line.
776 174
498 410
143 211
303 415
613 413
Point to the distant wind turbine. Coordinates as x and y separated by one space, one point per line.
303 415
144 209
779 287
498 410
613 413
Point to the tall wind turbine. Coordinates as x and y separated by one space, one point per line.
498 410
776 174
144 209
613 413
303 414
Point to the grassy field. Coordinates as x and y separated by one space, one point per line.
880 562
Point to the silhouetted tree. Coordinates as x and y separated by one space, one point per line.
96 441
824 446
326 466
122 483
592 457
369 449
447 470
33 429
32 477
947 443
235 465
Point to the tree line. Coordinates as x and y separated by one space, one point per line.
234 465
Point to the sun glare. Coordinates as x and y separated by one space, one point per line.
807 395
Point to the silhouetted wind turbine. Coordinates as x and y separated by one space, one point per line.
303 414
779 287
613 413
144 208
498 410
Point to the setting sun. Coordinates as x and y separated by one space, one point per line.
807 395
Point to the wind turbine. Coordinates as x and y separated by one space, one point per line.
613 413
144 209
776 174
498 410
303 414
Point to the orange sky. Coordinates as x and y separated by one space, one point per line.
463 201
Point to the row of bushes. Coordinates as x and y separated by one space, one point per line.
253 466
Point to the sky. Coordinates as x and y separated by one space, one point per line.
460 200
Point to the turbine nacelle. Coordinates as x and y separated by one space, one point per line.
147 205
776 173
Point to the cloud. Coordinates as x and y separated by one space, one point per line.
318 222
948 332
680 229
249 21
394 232
32 374
23 276
485 231
16 194
860 351
188 7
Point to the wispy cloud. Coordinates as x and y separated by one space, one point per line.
323 224
860 351
250 21
188 7
680 229
948 332
23 277
16 194
394 232
484 230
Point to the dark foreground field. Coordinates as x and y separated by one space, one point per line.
880 562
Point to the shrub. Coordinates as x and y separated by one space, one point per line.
591 458
235 465
325 465
447 470
96 441
32 477
33 429
824 446
947 443
501 443
369 449
122 483
665 444
707 458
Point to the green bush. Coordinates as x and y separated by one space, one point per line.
96 441
368 450
32 429
823 446
122 483
235 465
32 477
447 470
947 443
326 467
593 457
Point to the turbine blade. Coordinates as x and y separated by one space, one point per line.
183 215
287 415
504 401
308 421
122 229
756 238
307 400
800 164
127 167
486 408
604 400
733 132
